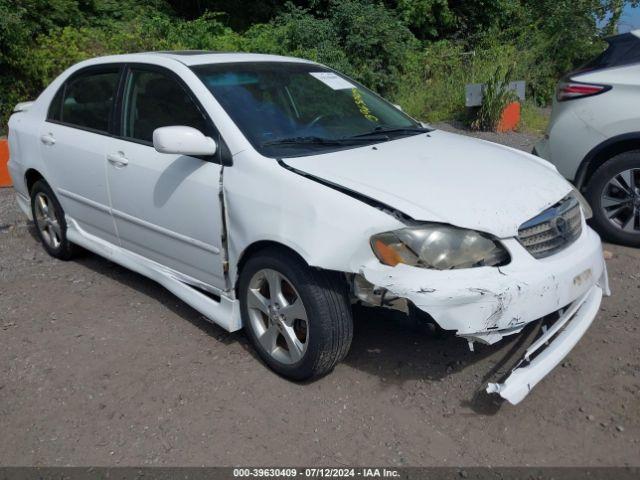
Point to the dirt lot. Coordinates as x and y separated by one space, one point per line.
100 366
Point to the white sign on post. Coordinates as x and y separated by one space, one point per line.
473 92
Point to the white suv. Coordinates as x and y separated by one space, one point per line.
270 193
594 137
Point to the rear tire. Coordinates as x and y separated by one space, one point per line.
298 318
616 211
50 223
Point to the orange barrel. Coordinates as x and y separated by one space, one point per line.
5 178
510 117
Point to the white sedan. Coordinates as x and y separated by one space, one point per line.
271 193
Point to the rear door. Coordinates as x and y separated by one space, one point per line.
166 207
74 142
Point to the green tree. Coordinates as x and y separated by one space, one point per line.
419 51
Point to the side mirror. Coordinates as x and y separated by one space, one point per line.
182 140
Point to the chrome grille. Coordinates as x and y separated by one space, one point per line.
553 230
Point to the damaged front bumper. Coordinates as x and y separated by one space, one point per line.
485 304
542 357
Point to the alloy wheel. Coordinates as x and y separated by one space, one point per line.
620 200
278 316
46 221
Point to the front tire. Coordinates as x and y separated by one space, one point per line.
298 318
48 217
614 194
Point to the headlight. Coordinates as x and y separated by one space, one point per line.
586 208
438 246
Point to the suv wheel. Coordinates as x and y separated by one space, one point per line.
48 217
298 318
614 194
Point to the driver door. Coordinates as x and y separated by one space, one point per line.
166 207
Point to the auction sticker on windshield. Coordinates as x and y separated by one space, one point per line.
332 80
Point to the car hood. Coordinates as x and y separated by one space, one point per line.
448 178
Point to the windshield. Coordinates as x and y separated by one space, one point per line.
294 109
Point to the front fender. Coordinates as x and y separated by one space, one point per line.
327 228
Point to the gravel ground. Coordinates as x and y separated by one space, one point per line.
100 366
520 140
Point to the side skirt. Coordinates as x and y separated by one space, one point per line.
225 312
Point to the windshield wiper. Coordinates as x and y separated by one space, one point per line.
401 130
322 140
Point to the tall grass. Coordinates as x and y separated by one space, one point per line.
433 85
533 118
495 97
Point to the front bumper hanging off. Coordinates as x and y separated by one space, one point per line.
550 348
487 304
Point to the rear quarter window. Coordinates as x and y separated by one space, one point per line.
55 108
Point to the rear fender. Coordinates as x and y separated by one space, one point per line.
603 152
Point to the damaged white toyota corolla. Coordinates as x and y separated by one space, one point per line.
270 193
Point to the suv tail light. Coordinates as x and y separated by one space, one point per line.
570 90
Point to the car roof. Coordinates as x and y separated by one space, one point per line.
635 33
198 57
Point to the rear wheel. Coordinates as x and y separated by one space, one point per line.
298 318
48 217
614 194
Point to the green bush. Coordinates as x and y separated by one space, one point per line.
299 34
62 47
361 39
430 87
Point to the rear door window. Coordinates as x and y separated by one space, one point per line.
88 100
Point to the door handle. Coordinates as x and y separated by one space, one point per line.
48 139
117 159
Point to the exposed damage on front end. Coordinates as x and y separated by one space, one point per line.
487 304
340 215
548 350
